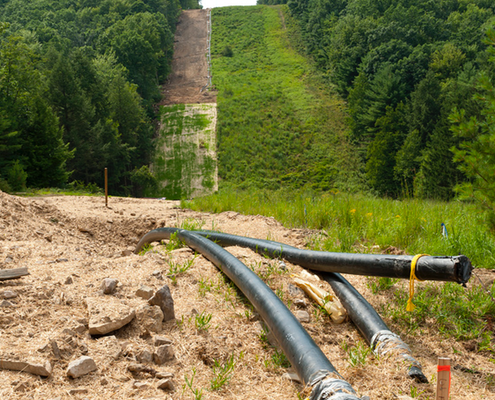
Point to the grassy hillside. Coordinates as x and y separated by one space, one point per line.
279 123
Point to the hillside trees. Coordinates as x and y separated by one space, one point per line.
78 82
402 66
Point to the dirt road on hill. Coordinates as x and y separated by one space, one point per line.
189 66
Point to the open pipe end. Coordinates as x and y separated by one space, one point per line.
463 269
416 374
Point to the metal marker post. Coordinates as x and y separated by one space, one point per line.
106 187
443 378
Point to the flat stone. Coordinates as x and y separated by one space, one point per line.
163 299
145 292
161 340
149 318
109 285
300 303
82 366
164 375
35 368
107 315
140 385
76 391
165 384
8 294
302 316
163 354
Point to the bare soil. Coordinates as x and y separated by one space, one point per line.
70 244
189 66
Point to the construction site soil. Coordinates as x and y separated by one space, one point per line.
71 244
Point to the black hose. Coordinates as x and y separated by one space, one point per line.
370 324
311 365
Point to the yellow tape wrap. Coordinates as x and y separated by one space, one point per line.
410 306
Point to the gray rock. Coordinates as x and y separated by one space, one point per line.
6 303
165 384
163 299
145 292
161 340
163 354
164 375
144 356
69 280
107 315
300 303
294 291
8 294
149 318
302 316
82 366
109 285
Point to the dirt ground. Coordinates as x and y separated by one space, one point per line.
189 66
70 244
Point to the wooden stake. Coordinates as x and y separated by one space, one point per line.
443 378
106 187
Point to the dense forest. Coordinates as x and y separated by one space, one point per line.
403 67
78 80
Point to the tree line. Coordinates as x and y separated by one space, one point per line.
403 66
78 81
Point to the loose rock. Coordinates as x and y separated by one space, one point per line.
145 292
163 354
144 356
149 318
161 340
165 384
82 366
41 369
302 316
8 294
109 285
107 315
164 375
163 299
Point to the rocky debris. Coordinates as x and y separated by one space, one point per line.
69 280
127 252
294 291
82 366
161 340
164 375
144 356
55 349
145 292
282 266
21 387
8 294
137 369
158 275
6 303
43 368
163 299
149 318
163 354
77 391
302 316
107 315
109 285
300 303
165 384
140 385
111 346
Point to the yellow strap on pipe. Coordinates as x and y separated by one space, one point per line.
410 306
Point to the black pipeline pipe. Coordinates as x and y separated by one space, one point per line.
311 365
455 269
372 327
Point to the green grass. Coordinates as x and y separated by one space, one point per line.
279 122
366 224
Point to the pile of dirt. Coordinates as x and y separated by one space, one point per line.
71 244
